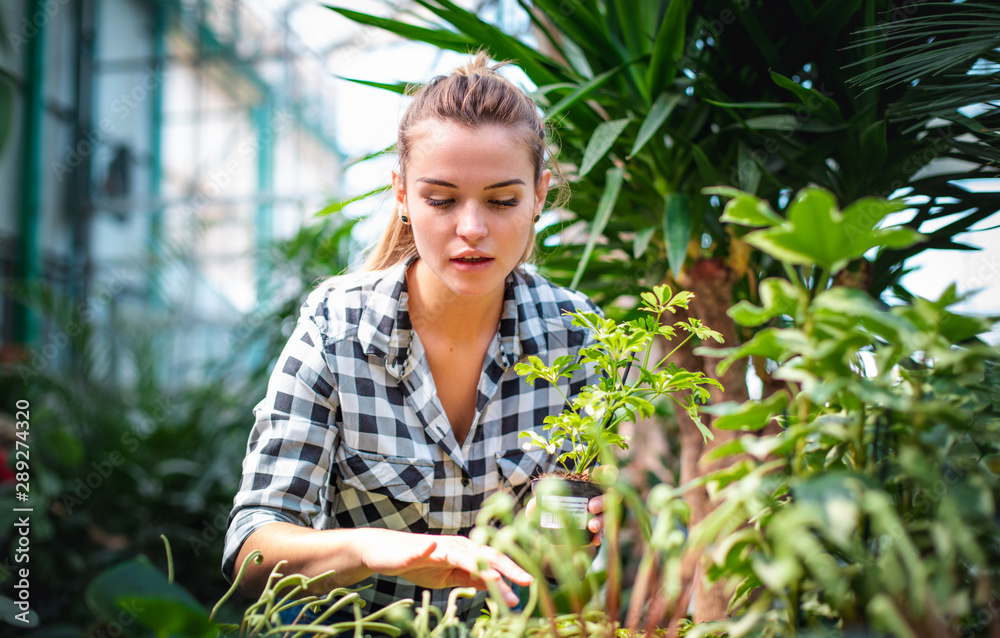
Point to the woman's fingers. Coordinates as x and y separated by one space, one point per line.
596 505
465 554
596 524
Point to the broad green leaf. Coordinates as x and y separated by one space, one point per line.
886 616
600 143
752 415
658 114
744 208
813 100
668 47
817 233
849 302
641 242
11 614
764 344
137 587
777 573
777 296
612 187
676 229
337 206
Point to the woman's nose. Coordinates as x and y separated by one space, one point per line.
472 222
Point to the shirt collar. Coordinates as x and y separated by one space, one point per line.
384 329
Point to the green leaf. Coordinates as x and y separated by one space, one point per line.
752 415
787 123
612 187
398 87
764 344
778 573
641 242
812 99
441 38
668 47
499 44
138 588
676 229
600 143
817 233
11 614
886 616
582 92
778 297
744 208
657 115
339 205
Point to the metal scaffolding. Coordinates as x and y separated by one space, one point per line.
159 145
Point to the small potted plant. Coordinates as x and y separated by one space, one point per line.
586 431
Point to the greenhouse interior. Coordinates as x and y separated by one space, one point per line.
758 313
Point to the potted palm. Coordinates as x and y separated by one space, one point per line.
586 432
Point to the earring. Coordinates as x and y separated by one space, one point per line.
403 218
536 218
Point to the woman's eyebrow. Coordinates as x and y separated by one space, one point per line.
441 182
509 182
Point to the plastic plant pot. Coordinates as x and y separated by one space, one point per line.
562 503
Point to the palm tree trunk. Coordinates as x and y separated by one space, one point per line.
712 282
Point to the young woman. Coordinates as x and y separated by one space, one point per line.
394 410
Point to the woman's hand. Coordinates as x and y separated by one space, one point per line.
440 561
596 524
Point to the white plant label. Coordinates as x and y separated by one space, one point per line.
556 508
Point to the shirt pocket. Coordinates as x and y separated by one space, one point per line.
398 478
517 467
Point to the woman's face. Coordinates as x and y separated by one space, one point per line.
470 195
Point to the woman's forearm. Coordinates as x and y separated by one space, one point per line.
307 551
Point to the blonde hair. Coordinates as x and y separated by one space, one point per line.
473 95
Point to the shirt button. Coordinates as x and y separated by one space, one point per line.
466 481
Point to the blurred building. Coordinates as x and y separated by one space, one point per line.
154 146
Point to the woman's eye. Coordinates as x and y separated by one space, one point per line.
437 202
506 203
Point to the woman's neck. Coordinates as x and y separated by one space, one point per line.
457 319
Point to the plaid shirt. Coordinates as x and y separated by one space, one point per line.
351 432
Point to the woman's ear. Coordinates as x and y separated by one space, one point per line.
542 190
399 193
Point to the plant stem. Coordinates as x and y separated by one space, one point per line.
671 353
253 556
170 559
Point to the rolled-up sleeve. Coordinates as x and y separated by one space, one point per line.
287 465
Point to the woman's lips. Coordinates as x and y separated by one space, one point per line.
472 264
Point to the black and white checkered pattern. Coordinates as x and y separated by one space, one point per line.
351 432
